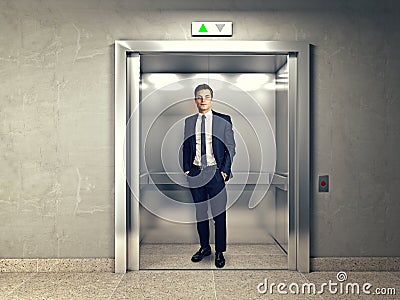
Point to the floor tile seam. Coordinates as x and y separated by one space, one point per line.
116 286
22 283
305 277
214 287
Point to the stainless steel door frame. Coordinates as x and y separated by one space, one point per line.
127 76
132 161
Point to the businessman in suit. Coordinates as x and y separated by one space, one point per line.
208 150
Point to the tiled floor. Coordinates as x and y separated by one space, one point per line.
185 284
177 256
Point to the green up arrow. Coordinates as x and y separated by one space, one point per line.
203 28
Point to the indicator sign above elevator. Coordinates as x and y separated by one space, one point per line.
212 28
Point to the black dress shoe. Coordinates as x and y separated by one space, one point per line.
199 255
219 260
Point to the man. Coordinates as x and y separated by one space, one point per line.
208 150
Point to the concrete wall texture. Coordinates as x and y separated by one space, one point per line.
57 114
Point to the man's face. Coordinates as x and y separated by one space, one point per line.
203 100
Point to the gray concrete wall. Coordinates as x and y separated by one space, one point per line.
57 110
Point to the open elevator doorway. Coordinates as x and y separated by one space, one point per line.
253 90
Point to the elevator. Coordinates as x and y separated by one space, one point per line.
263 86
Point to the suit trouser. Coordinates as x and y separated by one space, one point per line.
208 184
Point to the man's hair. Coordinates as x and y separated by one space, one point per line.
203 86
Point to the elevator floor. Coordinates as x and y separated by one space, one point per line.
237 256
169 246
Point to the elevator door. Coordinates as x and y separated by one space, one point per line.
135 59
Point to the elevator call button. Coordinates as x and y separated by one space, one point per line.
323 183
212 28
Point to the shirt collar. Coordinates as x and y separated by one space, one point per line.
207 114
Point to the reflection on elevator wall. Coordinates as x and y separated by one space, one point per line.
280 230
257 103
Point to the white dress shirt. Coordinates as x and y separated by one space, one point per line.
209 151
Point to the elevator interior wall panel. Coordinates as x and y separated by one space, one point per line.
281 220
167 99
282 139
282 120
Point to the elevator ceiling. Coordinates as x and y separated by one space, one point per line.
218 63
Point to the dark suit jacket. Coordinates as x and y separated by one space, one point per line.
223 142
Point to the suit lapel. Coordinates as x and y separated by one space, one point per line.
193 136
214 121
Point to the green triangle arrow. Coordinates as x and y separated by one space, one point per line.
203 28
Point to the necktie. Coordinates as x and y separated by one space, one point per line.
203 141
